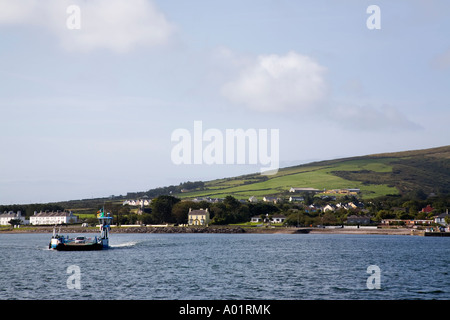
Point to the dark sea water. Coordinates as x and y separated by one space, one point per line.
228 267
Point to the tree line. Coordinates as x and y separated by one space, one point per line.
173 189
29 209
168 209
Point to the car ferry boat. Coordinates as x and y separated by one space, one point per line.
81 243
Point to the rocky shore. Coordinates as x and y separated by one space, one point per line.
177 230
212 229
144 229
382 231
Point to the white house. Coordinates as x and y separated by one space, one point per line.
440 219
329 207
50 218
253 199
270 199
256 219
141 202
6 217
298 190
344 206
275 219
294 199
278 218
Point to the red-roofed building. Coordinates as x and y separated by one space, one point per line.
427 209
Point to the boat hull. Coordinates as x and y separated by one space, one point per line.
79 247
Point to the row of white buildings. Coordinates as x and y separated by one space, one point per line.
54 217
140 203
6 217
40 218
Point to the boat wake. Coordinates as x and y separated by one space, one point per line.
124 245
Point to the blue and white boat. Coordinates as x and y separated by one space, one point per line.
81 243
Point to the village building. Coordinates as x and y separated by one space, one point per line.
355 205
270 199
51 218
350 192
256 219
311 208
354 219
329 207
422 222
198 217
279 218
440 219
208 199
300 190
296 199
328 197
341 206
6 217
407 222
427 209
140 202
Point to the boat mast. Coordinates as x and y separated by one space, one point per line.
105 222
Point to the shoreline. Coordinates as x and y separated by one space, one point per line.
221 229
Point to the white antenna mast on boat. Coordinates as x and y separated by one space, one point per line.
105 222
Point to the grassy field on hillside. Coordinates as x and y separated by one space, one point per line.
315 176
407 172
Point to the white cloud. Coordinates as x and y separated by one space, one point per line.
117 25
296 83
274 83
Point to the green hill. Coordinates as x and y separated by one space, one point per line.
416 173
419 171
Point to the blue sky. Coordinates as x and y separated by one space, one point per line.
89 112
